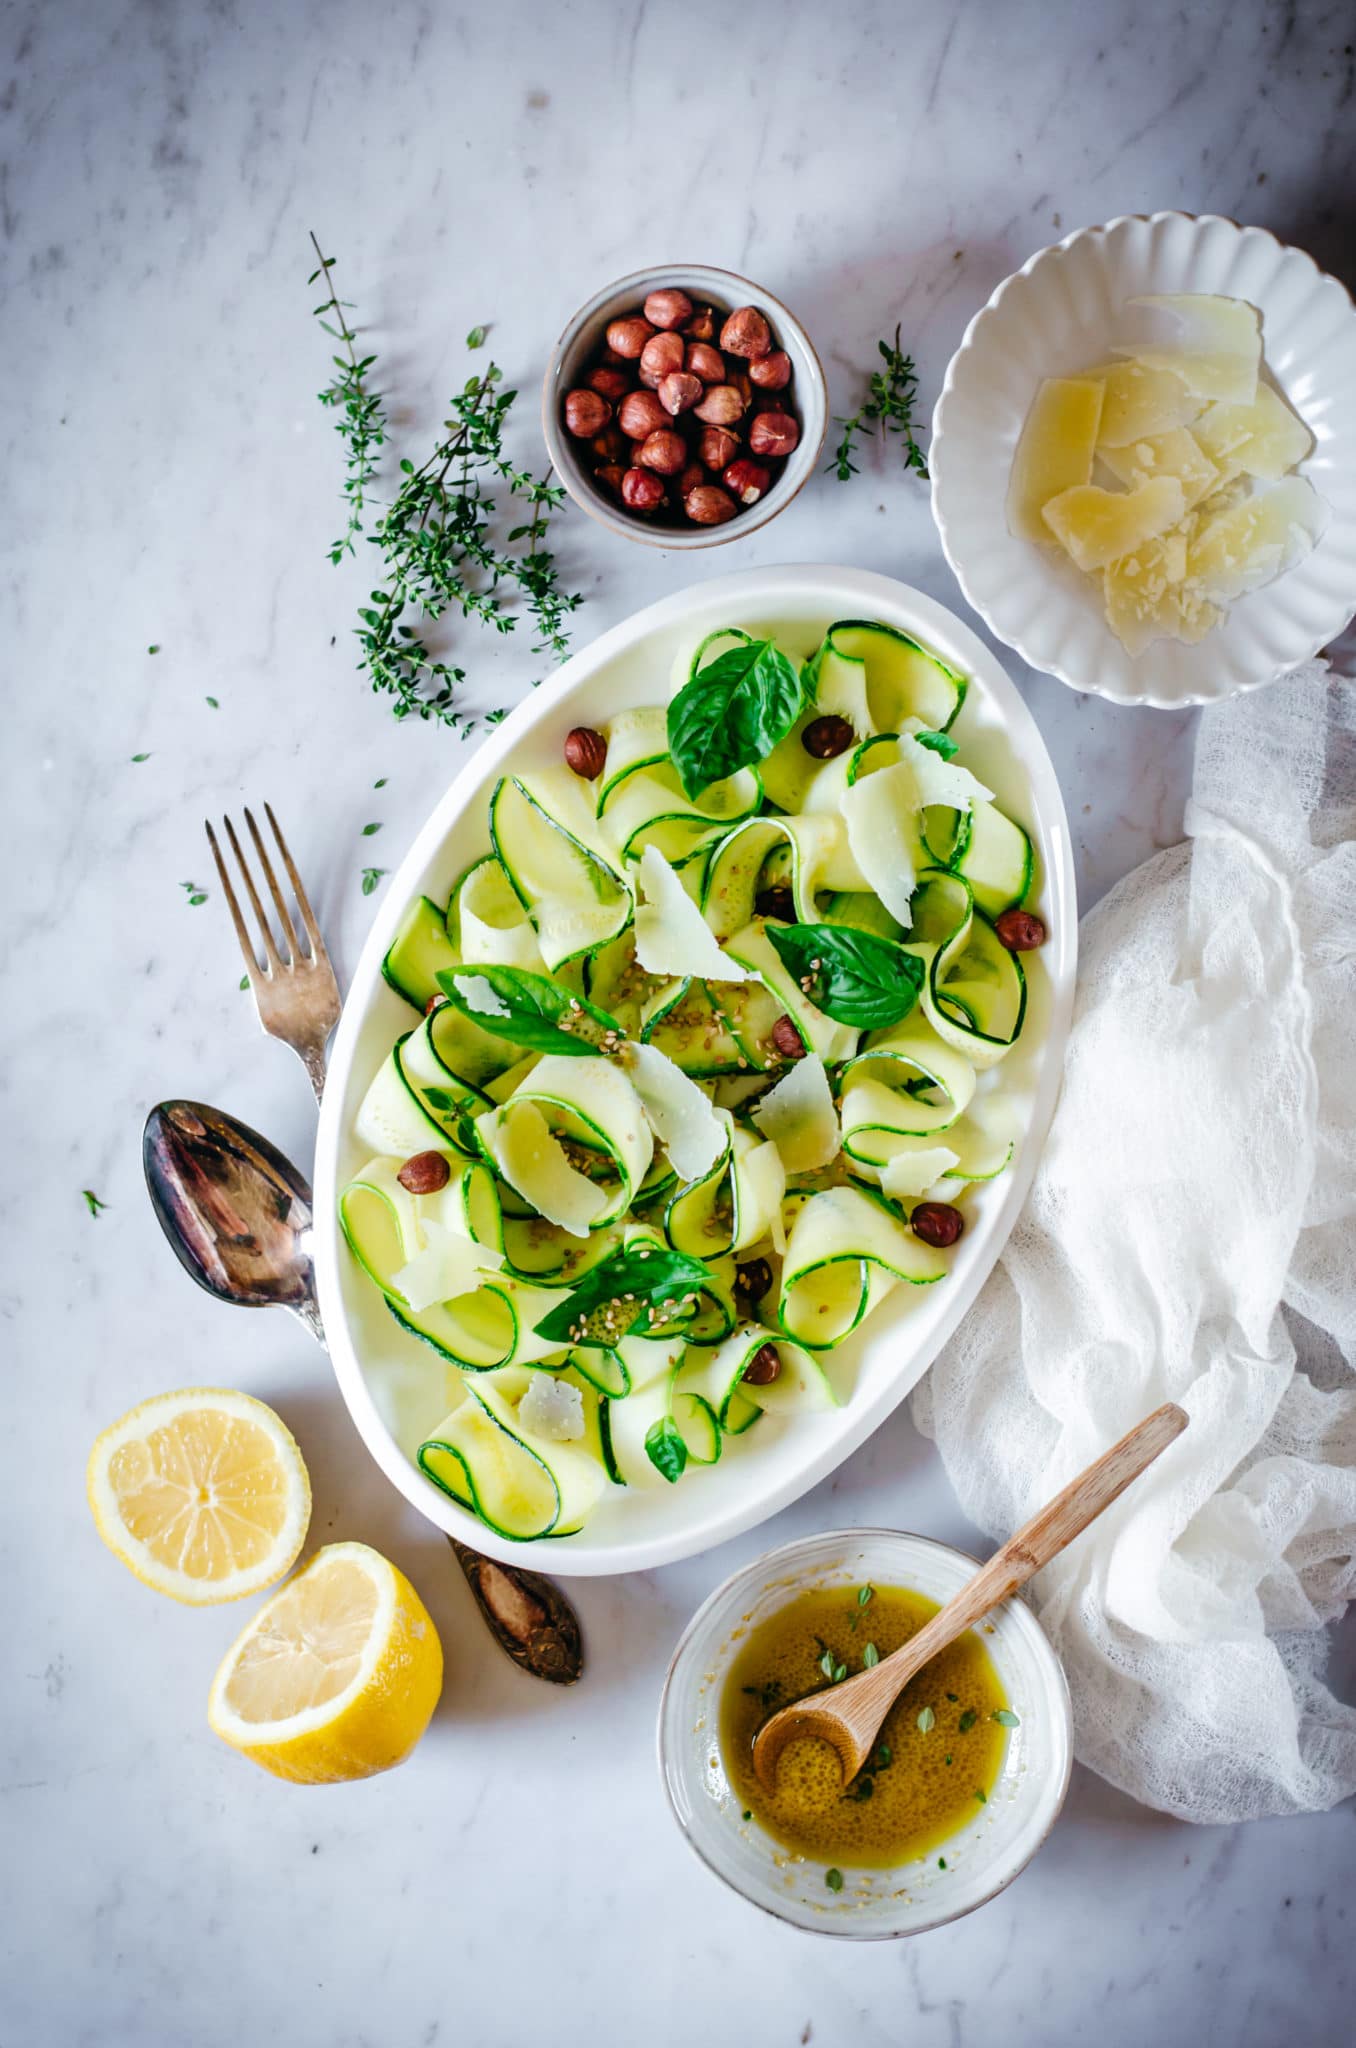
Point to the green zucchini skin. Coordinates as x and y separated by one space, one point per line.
555 899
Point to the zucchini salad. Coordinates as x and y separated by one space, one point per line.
702 1061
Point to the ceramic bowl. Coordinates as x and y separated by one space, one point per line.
396 1388
1059 313
578 347
873 1905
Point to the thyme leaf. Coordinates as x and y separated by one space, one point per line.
438 537
889 405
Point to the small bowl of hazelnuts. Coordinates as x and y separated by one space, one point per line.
684 406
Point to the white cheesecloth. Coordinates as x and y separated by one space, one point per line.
1190 1236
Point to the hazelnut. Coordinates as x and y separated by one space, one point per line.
753 1278
746 333
610 445
664 352
626 338
693 475
586 413
748 480
721 407
425 1173
708 505
705 362
937 1223
1020 931
717 448
665 450
739 377
679 391
786 1039
668 307
609 477
641 414
763 1368
608 381
585 752
642 490
702 325
771 372
773 433
827 737
778 903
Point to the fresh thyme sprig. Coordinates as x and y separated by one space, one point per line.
437 536
362 414
890 405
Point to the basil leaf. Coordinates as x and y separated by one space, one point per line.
612 1297
665 1449
852 976
732 713
940 743
532 1011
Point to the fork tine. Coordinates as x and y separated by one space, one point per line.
283 912
307 914
270 950
246 942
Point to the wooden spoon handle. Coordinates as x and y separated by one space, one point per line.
1046 1534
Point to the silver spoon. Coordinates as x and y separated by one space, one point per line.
238 1216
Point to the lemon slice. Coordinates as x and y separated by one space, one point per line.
337 1675
202 1493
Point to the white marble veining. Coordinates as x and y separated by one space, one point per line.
171 481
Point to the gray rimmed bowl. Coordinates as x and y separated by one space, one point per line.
580 341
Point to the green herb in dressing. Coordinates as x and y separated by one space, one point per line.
915 1792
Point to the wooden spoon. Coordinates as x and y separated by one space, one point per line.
849 1715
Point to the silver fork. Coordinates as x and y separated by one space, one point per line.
297 997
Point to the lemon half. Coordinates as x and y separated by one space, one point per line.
202 1493
337 1675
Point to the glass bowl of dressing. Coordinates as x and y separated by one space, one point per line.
968 1775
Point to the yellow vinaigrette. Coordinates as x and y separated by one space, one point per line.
940 1748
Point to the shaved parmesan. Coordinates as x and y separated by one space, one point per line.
1216 346
1147 596
1176 453
913 1173
672 936
478 995
1262 439
1138 401
1054 452
1245 547
799 1117
880 812
552 1408
448 1265
680 1115
940 781
531 1160
1097 527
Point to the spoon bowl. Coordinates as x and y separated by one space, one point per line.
236 1211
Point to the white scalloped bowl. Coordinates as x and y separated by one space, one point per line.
1059 313
396 1388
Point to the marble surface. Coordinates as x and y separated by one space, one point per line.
171 482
